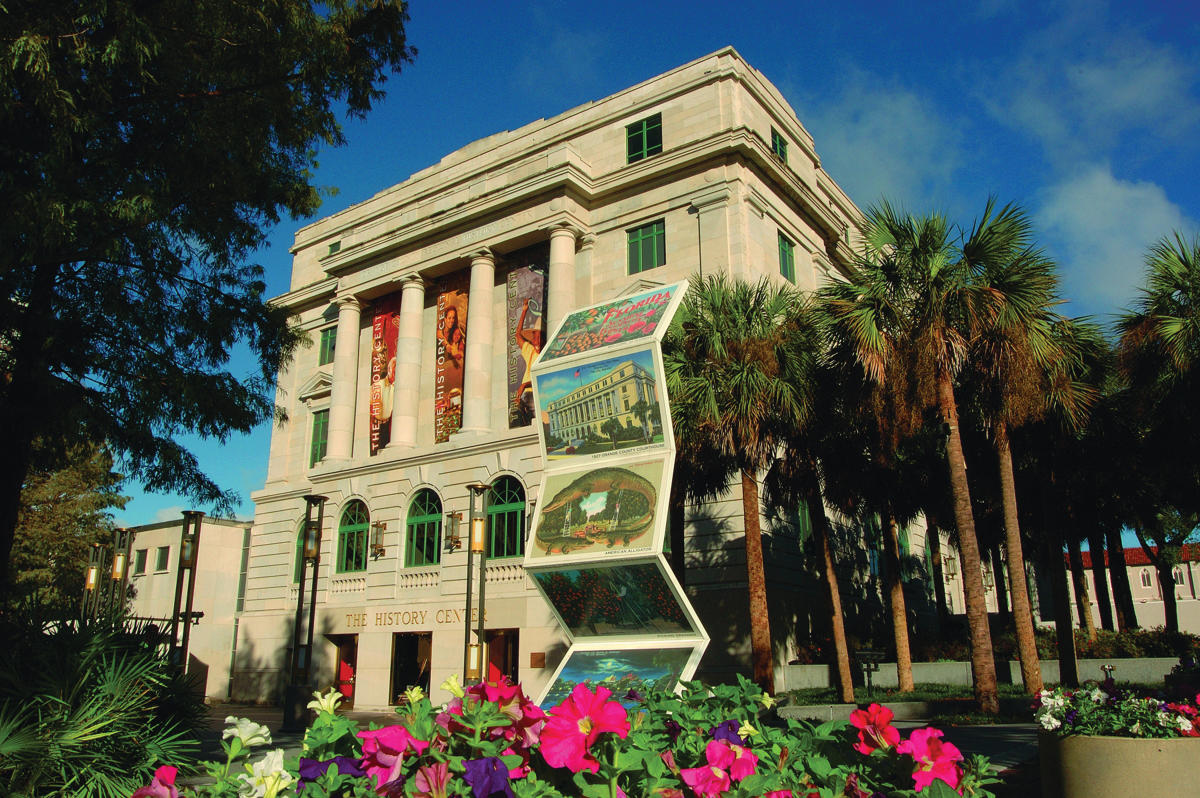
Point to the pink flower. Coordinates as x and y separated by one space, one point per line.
384 751
874 729
779 794
933 759
432 780
744 762
161 786
707 781
576 723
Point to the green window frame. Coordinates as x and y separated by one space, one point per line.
163 560
506 519
352 538
647 246
787 258
328 343
423 535
643 138
779 145
139 561
320 437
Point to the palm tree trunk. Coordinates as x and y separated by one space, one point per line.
1083 597
997 563
895 585
760 625
1100 580
934 536
983 664
820 524
1166 581
1031 671
1068 667
1122 594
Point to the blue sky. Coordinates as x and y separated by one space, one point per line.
1086 113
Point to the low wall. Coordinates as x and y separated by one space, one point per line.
1148 670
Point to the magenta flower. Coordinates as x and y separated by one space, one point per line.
707 781
384 751
745 762
932 758
576 723
874 729
779 794
161 786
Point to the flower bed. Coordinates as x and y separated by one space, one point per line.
490 740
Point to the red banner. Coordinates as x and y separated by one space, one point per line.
383 368
451 354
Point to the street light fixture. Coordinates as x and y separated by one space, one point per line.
120 564
189 550
294 710
473 654
91 582
694 211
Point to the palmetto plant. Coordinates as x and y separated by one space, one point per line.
88 708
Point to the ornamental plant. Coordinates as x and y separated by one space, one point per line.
720 741
1107 711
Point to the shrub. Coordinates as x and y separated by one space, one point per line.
1108 711
87 708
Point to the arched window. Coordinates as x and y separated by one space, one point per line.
1145 577
506 518
423 541
352 538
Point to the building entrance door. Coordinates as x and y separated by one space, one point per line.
503 650
410 662
347 666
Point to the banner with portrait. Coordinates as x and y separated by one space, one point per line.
526 327
384 330
450 357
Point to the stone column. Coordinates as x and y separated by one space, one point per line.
407 397
477 374
560 294
344 393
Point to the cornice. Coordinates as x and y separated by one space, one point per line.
306 294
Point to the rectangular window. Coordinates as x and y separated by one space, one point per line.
647 247
243 570
320 437
139 561
506 533
162 562
328 342
778 145
424 543
787 258
352 550
644 138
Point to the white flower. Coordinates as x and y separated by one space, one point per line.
326 703
1136 728
452 686
1049 722
1185 725
1097 695
246 730
266 778
1167 720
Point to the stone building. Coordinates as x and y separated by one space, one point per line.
426 304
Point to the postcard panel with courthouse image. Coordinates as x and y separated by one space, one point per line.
642 316
606 510
604 408
625 671
624 599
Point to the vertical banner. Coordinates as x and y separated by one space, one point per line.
525 323
451 353
384 330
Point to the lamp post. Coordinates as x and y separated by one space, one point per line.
294 711
123 541
474 654
189 549
91 583
694 211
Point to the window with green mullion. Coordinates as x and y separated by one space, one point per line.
643 138
320 437
779 145
352 539
423 544
328 343
787 258
506 519
647 247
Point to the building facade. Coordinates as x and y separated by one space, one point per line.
220 573
426 305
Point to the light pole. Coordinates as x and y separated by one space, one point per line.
694 211
474 654
123 541
91 583
189 549
294 712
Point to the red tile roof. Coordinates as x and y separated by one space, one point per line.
1136 556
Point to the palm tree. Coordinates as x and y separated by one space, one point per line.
909 309
736 376
612 427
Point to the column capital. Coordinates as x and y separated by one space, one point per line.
587 241
349 300
564 229
482 253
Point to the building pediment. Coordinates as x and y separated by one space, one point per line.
638 286
317 387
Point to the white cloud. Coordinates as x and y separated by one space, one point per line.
171 513
1099 227
881 140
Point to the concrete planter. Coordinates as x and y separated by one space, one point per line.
1118 767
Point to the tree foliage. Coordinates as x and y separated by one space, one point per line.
144 150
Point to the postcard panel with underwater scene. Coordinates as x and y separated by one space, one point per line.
643 315
627 672
607 510
621 600
604 409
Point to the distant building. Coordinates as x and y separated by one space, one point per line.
220 586
427 303
1147 588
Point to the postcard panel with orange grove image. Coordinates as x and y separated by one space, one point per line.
611 510
642 316
603 409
